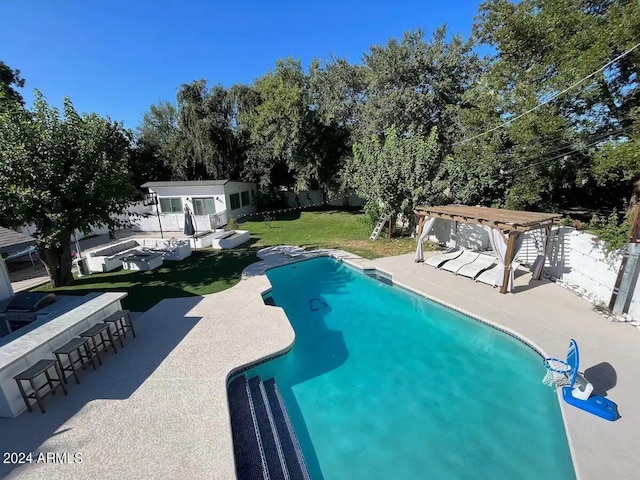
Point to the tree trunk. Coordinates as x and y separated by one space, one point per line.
57 261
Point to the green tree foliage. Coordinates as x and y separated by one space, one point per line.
398 174
337 91
276 125
61 172
551 157
409 84
152 152
612 231
205 143
290 143
193 140
10 80
418 85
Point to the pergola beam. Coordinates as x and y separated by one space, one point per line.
507 220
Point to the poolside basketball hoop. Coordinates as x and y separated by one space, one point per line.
558 372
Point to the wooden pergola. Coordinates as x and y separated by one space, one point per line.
510 223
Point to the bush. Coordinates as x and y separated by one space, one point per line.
373 212
612 231
232 224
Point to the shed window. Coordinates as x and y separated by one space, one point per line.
234 198
204 206
171 205
245 198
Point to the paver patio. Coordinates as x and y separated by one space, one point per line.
158 409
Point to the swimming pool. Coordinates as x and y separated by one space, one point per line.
382 383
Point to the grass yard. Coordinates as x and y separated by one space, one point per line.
210 271
327 229
203 272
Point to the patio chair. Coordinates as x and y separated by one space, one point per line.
438 260
472 270
489 276
462 260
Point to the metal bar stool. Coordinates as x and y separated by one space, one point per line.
30 375
77 345
120 326
101 339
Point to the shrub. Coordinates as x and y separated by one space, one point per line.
232 224
612 231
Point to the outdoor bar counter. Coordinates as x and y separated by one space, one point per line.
26 346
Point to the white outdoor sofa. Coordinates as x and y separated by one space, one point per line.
171 250
110 257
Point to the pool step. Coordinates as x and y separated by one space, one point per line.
288 440
265 444
246 443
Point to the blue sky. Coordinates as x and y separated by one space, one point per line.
118 57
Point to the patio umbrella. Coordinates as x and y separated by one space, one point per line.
189 228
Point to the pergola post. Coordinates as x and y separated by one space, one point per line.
511 245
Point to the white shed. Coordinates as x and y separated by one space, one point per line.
212 202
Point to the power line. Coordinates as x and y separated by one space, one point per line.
553 97
592 142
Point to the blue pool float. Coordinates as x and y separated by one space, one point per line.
594 404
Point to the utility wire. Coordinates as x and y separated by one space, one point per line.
569 143
553 97
591 143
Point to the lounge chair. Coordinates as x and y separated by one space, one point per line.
456 264
438 260
291 251
489 276
482 263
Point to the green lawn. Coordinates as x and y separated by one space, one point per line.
210 271
330 229
205 271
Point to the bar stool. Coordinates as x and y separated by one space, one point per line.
120 327
77 345
30 375
100 336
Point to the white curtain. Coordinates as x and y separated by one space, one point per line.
426 228
499 246
538 264
454 234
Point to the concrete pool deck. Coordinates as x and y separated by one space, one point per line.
158 408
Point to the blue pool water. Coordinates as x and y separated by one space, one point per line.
384 384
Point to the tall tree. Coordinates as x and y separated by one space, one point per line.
290 144
153 152
277 125
542 47
396 175
62 172
205 145
417 85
